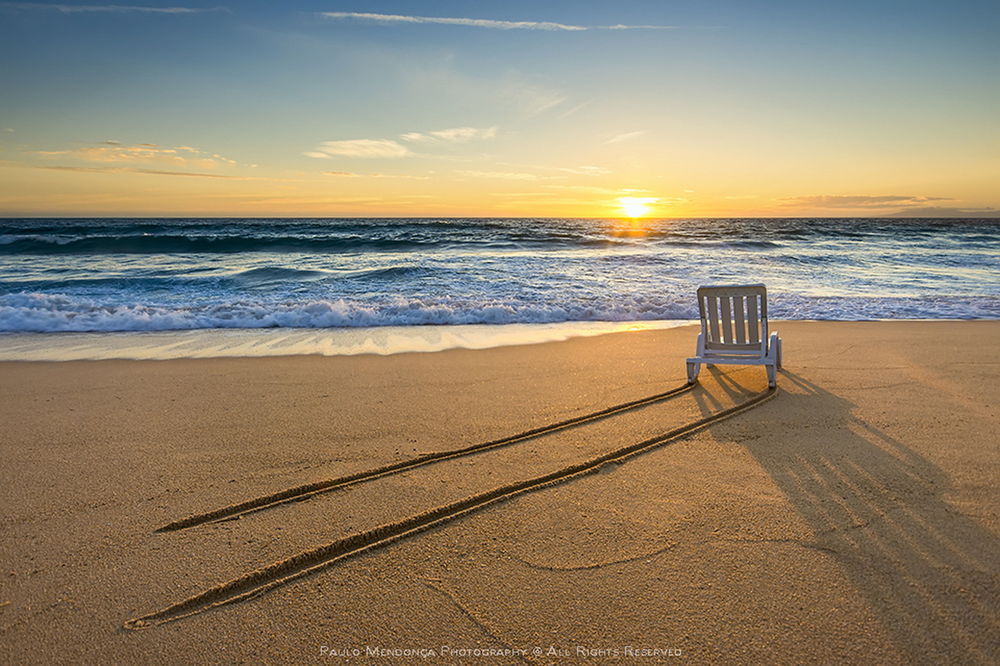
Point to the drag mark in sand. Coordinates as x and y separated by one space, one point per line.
435 584
309 490
285 571
596 565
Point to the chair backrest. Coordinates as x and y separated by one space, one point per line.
734 318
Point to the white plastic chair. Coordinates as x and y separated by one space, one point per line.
734 330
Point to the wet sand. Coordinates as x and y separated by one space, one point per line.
851 518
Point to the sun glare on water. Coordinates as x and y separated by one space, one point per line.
635 206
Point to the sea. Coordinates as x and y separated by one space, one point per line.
167 288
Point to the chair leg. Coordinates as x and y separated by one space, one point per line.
774 350
693 370
772 375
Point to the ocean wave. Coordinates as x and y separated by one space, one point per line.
331 243
22 240
270 274
157 274
37 312
221 236
391 273
210 278
179 244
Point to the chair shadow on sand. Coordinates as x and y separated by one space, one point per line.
927 572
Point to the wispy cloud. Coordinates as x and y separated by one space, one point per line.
117 9
351 174
115 152
592 189
484 23
639 201
937 211
860 201
530 94
585 170
359 148
533 195
285 202
534 99
452 135
569 112
501 175
120 170
890 205
618 138
382 148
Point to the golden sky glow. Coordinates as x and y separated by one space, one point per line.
577 113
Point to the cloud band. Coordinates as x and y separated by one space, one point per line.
484 23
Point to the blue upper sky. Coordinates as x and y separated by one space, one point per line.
556 108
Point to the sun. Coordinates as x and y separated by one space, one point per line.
635 206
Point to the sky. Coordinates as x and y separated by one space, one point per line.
665 108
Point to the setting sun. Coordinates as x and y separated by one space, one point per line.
635 206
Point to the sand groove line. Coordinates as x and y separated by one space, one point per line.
308 490
307 562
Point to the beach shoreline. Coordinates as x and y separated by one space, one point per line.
257 342
854 517
276 342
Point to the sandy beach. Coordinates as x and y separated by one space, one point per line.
854 517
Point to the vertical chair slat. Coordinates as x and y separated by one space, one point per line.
752 323
741 330
713 317
727 320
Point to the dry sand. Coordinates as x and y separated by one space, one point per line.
851 518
